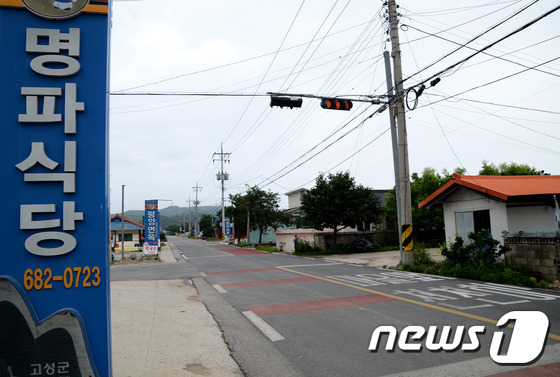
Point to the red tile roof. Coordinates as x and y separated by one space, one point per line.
126 219
501 187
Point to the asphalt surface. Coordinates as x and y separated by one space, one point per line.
280 315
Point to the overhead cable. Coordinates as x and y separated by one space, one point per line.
488 46
466 43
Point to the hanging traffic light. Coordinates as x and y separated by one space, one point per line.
290 102
336 104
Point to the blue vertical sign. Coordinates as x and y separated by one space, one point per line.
151 227
228 226
54 274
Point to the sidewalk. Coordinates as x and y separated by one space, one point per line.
162 328
380 259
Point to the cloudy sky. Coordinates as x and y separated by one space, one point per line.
500 105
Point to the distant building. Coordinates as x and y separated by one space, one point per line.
133 232
285 237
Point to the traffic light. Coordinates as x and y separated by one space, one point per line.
290 102
336 103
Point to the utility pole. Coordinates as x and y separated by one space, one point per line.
248 217
394 141
404 173
196 203
122 224
190 226
223 157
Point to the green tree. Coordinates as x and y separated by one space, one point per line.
206 227
174 228
421 186
240 207
507 169
336 202
262 207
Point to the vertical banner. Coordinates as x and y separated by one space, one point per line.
54 274
228 226
151 227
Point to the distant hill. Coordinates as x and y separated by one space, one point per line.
172 214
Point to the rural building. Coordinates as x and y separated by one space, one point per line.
133 232
520 211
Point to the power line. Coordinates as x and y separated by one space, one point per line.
235 62
486 53
494 81
267 70
488 46
309 45
445 98
462 9
469 41
319 152
353 154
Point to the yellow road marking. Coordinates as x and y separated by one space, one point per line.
435 307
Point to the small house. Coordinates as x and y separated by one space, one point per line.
511 204
133 232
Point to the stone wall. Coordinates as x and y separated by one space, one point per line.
324 240
540 253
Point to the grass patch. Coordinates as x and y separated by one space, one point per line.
270 249
332 251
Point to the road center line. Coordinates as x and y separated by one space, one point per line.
309 265
267 282
447 310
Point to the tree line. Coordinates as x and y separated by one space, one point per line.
337 202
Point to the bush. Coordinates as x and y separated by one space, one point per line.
303 247
422 255
361 245
482 251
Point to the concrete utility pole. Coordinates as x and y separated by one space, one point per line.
196 203
404 195
122 223
190 226
248 218
223 157
394 141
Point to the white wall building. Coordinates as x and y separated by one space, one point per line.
510 204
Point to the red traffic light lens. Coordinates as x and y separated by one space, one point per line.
336 104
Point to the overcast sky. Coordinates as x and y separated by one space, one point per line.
163 145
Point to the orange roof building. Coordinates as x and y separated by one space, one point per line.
509 204
133 232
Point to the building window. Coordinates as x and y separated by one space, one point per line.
127 237
469 222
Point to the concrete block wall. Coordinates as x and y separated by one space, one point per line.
541 254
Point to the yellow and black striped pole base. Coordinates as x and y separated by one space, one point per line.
407 244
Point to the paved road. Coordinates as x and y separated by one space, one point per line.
286 315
